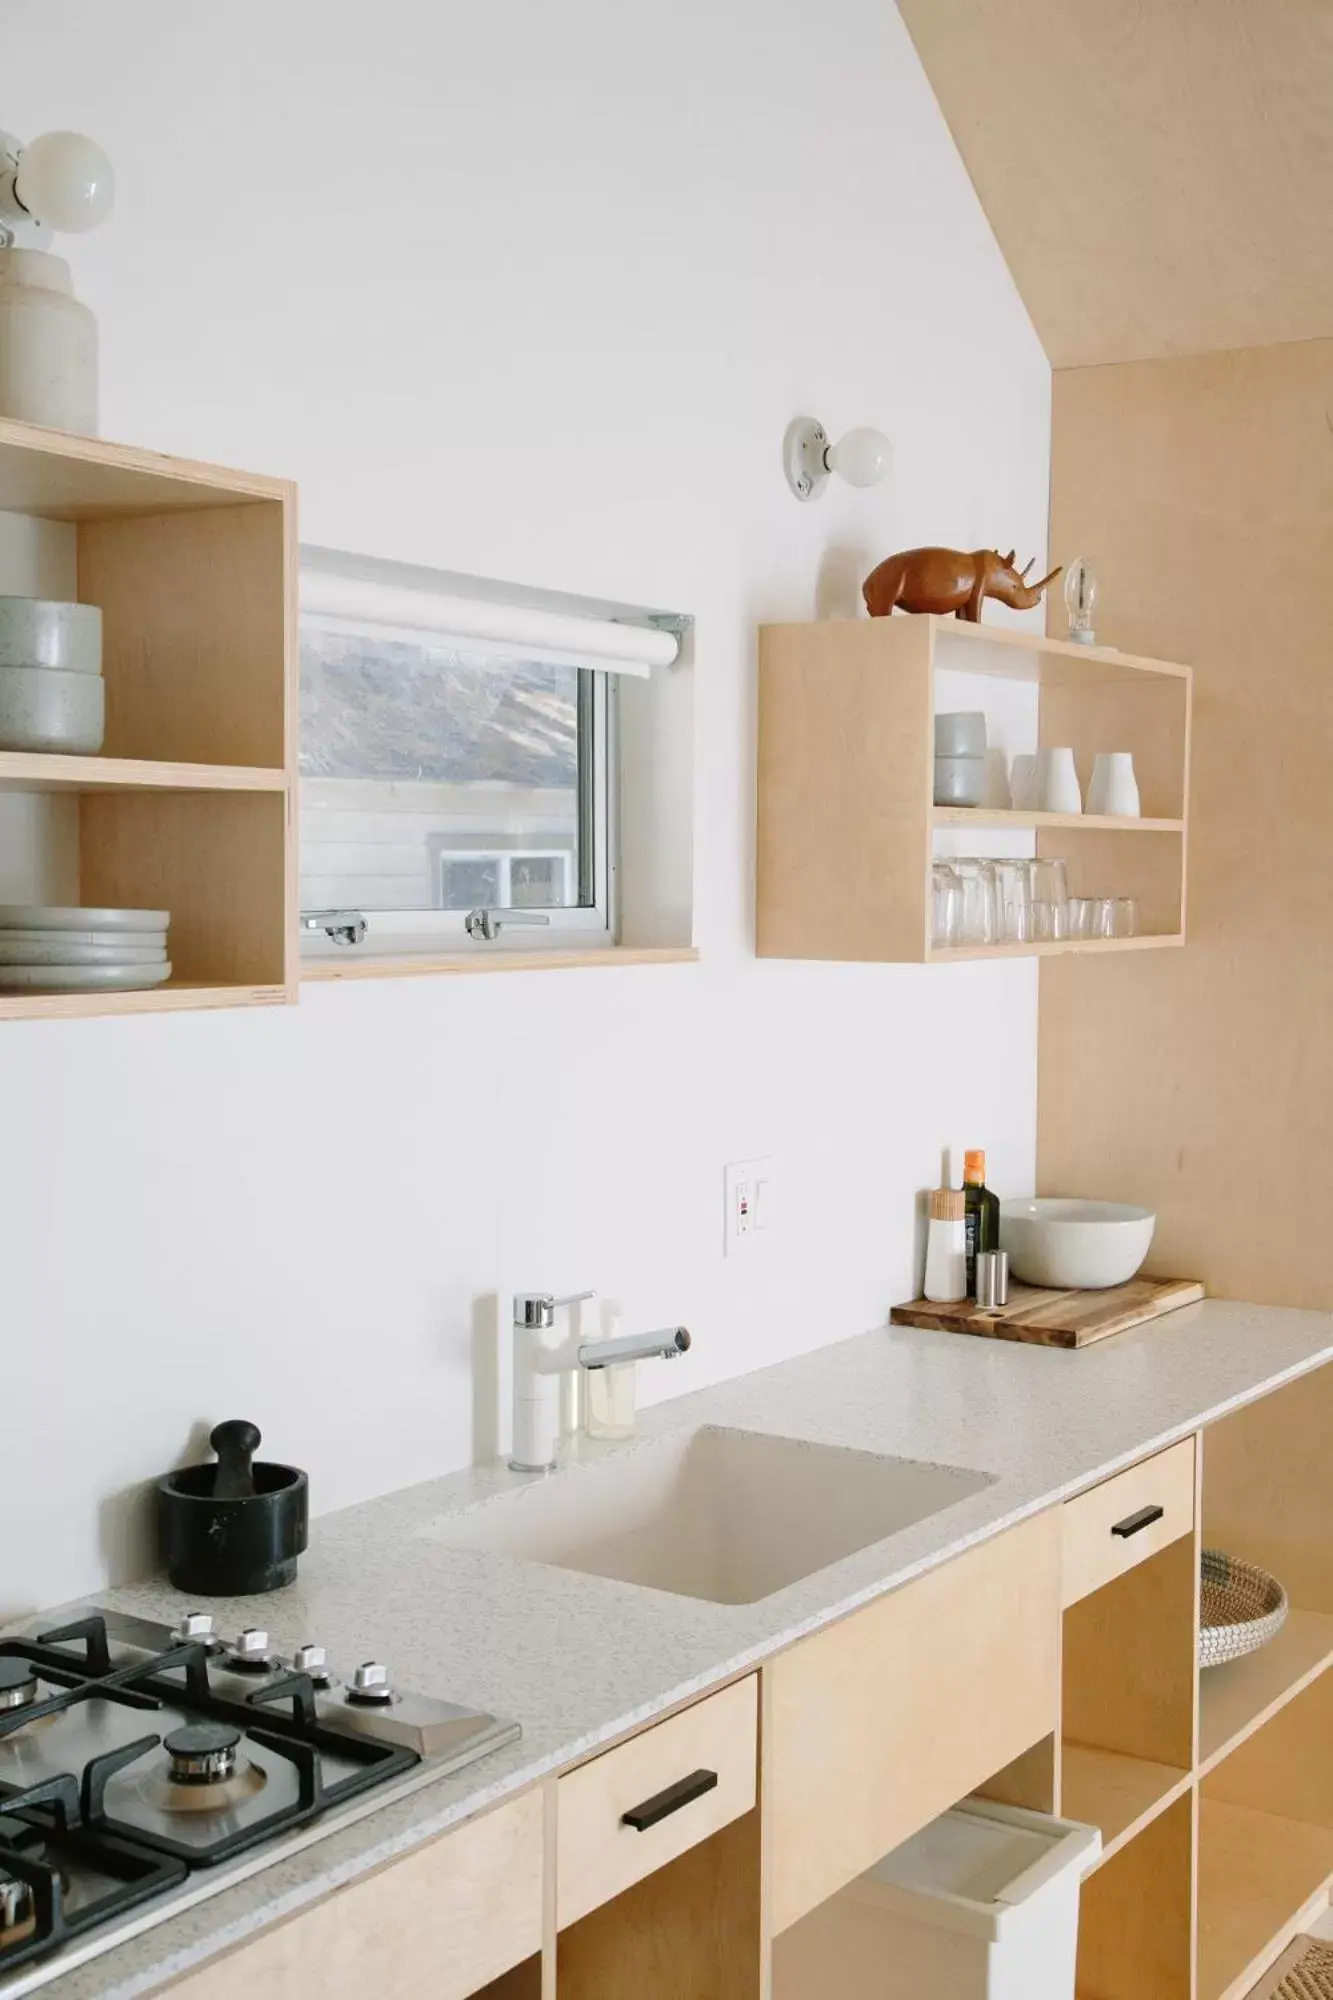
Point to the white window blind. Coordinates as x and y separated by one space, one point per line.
402 603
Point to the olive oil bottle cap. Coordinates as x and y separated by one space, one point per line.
974 1169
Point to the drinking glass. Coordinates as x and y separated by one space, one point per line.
1013 901
1126 922
1050 899
1103 917
977 918
1080 917
945 904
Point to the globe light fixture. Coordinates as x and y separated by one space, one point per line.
862 457
48 339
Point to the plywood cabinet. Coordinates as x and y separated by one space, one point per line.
192 808
438 1925
879 1723
847 827
1054 1666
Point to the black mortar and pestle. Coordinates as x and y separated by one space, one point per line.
236 1528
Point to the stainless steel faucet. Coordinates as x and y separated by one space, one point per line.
540 1361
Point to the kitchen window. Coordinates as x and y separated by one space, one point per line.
459 765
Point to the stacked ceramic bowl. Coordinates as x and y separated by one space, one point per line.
46 950
52 696
960 759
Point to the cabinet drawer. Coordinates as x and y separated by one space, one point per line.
878 1724
434 1926
638 1806
1127 1519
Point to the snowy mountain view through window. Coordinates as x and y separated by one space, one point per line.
437 779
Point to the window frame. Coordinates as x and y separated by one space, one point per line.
592 925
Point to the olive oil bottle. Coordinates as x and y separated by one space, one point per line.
981 1215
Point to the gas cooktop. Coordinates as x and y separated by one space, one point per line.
143 1768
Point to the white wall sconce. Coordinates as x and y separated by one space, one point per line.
48 340
862 457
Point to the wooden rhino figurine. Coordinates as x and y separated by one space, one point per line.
950 580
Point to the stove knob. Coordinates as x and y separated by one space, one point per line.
370 1683
251 1647
196 1626
313 1660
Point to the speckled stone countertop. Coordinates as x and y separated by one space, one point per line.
580 1660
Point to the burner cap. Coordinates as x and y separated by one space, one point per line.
18 1683
203 1753
15 1904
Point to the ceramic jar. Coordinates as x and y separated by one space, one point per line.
48 345
1114 790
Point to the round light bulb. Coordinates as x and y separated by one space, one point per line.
863 457
65 182
1081 599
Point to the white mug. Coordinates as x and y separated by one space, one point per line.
1114 789
1057 782
1022 778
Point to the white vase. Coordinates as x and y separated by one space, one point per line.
48 345
1114 791
1057 786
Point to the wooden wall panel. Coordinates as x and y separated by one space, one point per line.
1201 1082
1157 171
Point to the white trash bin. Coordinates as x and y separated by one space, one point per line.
980 1905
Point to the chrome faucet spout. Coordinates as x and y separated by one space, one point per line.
665 1345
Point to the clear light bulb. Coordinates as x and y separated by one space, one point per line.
863 457
1081 600
65 182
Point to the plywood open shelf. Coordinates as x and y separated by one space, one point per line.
1036 822
30 771
1240 1698
1260 1876
1046 948
191 808
846 812
1118 1793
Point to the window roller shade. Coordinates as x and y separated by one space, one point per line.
408 610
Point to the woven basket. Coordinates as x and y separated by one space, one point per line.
1303 1973
1243 1608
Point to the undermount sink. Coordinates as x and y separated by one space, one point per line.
725 1515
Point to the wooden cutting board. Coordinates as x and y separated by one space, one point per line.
1057 1319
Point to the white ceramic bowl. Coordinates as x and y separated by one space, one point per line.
961 733
1075 1245
960 781
42 632
44 708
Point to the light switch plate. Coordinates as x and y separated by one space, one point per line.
750 1194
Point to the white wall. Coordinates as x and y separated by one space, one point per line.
528 290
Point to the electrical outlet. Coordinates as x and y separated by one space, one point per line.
749 1189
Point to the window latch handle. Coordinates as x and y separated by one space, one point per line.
486 925
343 926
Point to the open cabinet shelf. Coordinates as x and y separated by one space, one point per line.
846 819
1119 1793
191 808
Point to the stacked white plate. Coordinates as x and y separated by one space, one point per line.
46 950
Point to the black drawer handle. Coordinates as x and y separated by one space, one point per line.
682 1793
1134 1524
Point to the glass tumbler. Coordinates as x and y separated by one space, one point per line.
945 904
1013 901
1050 899
978 918
1081 910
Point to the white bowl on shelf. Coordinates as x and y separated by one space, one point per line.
1070 1245
47 708
960 781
